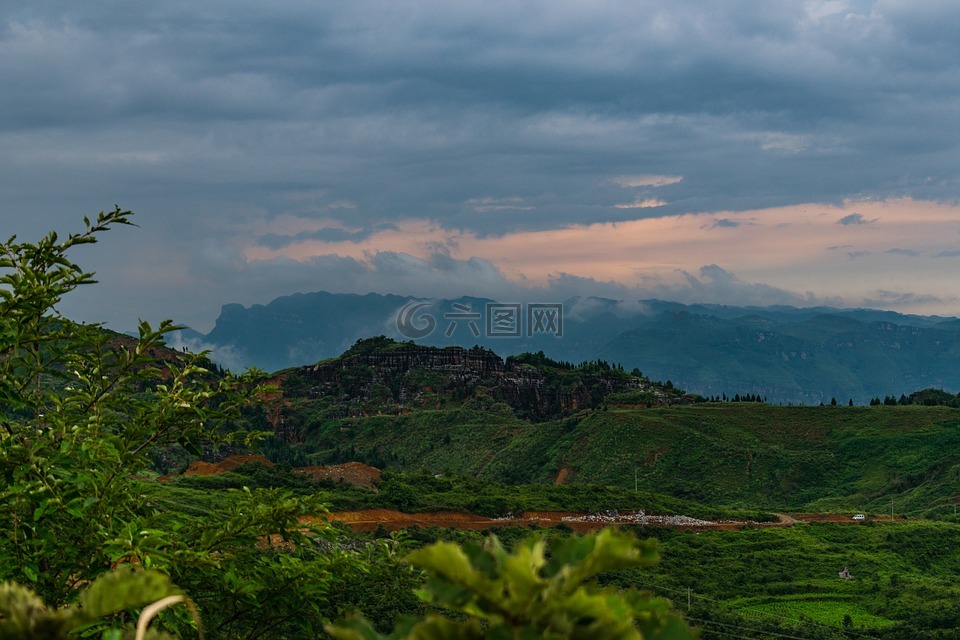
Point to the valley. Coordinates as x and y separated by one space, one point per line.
752 503
763 572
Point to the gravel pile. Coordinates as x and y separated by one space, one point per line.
637 517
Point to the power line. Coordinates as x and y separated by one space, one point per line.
741 628
730 635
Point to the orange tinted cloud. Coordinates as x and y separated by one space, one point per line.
853 250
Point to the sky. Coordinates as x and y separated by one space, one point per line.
737 152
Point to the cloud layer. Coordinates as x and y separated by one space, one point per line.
265 144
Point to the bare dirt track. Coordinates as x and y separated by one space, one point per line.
370 519
839 518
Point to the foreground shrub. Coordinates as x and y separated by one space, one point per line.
538 591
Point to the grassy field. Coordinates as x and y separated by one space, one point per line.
731 454
904 576
834 610
780 579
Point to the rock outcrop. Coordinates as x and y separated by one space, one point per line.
403 376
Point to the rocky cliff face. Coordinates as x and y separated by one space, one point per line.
407 376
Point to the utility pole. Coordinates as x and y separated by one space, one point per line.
688 598
635 481
891 509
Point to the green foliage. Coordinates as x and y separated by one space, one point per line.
254 567
532 594
903 577
83 414
540 360
24 616
931 398
368 346
81 410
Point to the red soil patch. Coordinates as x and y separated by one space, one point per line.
201 468
275 381
370 519
563 476
354 473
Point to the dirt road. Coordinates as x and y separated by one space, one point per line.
370 519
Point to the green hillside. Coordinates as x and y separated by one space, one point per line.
732 454
903 579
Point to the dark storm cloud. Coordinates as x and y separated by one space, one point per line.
438 104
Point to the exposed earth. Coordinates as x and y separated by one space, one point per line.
371 519
362 475
353 473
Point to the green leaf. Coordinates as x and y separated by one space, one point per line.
38 512
30 572
354 628
123 589
446 559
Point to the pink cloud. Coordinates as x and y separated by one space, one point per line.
789 247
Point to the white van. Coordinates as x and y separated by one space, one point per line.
859 516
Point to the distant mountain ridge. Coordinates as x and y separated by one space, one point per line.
786 354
